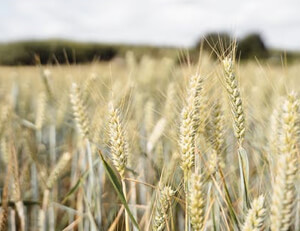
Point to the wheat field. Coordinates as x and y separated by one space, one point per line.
150 144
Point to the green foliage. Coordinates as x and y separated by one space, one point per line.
64 51
215 43
252 46
118 188
51 51
249 47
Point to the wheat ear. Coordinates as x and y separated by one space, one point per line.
255 216
79 111
162 208
196 202
284 193
238 116
119 149
186 142
189 124
235 100
118 142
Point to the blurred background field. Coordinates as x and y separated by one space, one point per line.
63 51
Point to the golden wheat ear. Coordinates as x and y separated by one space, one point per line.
196 202
236 105
186 142
162 208
118 142
79 111
284 192
255 216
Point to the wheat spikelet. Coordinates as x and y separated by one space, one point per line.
255 216
235 100
40 110
162 208
79 111
196 201
118 142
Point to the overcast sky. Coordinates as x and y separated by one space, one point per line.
158 22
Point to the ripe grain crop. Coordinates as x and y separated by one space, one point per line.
150 144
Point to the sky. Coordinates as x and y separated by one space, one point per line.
156 22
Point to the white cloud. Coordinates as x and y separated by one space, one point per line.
170 22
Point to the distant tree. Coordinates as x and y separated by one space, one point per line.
219 43
252 46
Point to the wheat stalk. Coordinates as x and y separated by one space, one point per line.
16 186
54 175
